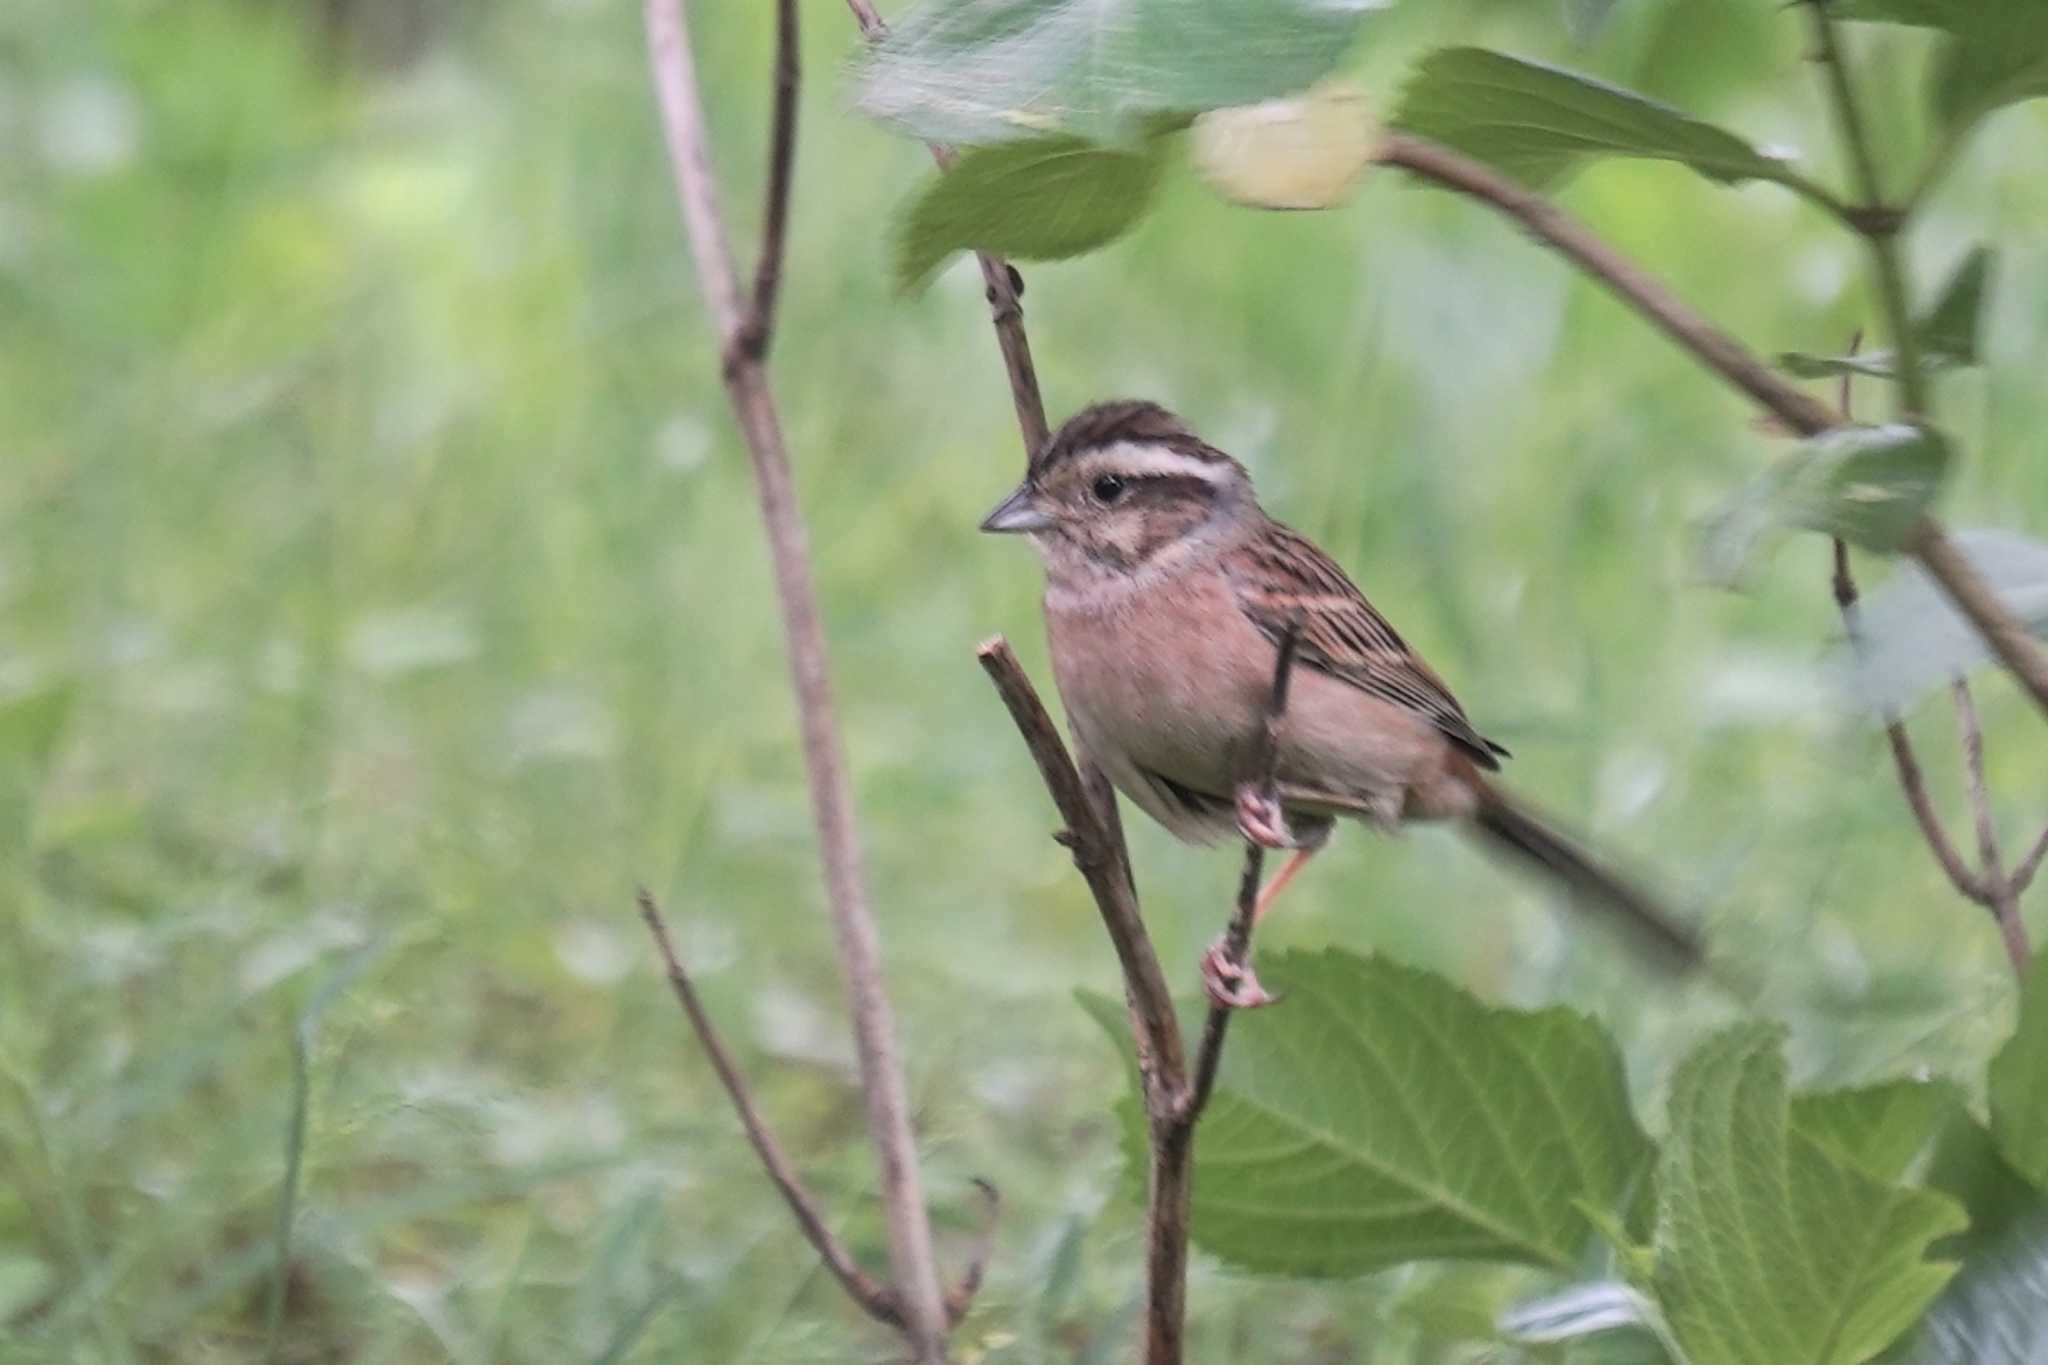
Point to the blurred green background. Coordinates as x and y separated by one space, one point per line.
381 598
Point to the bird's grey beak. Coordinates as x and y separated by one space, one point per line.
1016 513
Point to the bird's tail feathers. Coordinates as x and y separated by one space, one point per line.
1504 823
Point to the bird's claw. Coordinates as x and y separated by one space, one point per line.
1260 818
1232 985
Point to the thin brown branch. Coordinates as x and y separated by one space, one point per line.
1237 939
2001 630
760 328
1099 854
1928 542
2000 897
1912 782
1088 805
2023 873
874 1297
1714 348
960 1297
914 1271
1002 286
1971 732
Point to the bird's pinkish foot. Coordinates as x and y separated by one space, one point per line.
1229 985
1260 818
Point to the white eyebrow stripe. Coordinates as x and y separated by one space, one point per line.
1140 460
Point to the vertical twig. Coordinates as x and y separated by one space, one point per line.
914 1271
1878 227
781 164
1999 897
1001 285
1237 939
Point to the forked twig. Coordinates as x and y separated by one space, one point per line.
1989 887
744 336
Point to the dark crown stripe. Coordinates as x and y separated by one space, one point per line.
1108 424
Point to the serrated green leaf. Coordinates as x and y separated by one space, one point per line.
1911 638
1947 332
979 72
1379 1115
1043 200
1867 485
2019 1083
1538 123
1769 1247
1879 1128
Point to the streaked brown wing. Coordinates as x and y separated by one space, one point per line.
1341 633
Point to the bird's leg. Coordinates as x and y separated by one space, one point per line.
1285 875
1229 981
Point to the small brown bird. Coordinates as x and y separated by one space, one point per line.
1167 591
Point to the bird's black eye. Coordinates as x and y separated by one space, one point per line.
1108 488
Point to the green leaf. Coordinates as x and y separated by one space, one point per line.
1910 638
978 72
1879 1128
1043 200
1967 1167
1770 1247
1947 332
1538 123
1996 54
1379 1115
2019 1083
1950 327
1867 485
2002 60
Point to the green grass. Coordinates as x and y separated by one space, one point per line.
381 599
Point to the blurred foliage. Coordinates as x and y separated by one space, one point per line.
380 596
